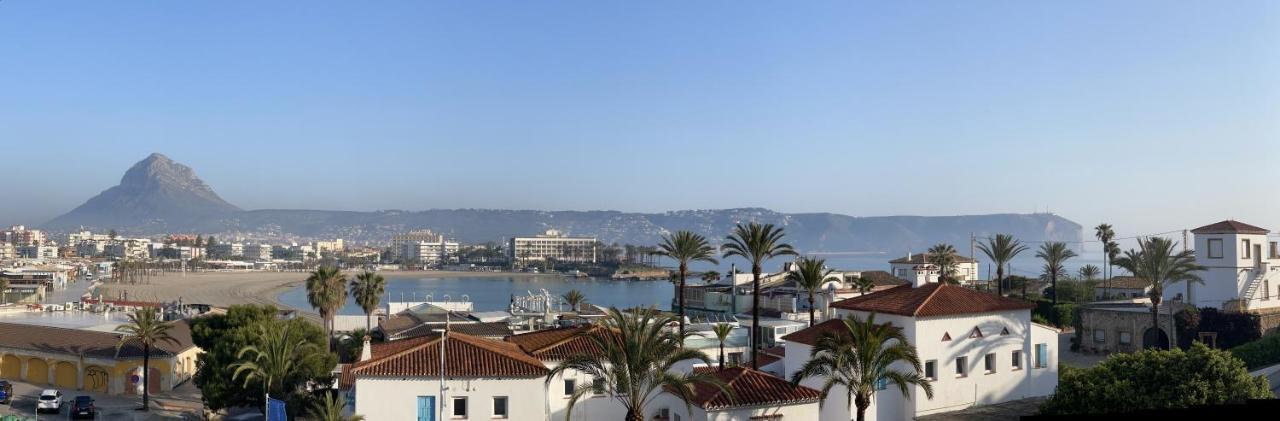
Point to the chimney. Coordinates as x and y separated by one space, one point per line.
925 274
366 352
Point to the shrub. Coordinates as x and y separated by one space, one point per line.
1259 353
1155 379
1062 315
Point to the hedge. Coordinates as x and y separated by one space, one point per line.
1259 353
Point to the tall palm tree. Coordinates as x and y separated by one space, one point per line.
574 298
1089 272
809 275
635 363
330 409
859 357
1105 234
1001 250
326 292
710 276
368 289
756 242
1157 262
685 247
145 327
722 331
277 356
1055 254
863 285
943 256
4 287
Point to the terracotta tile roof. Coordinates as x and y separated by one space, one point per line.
766 359
1124 282
559 344
345 379
415 318
883 278
77 342
920 259
1230 227
492 330
934 299
809 336
749 388
468 356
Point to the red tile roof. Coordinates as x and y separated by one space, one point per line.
559 344
1230 227
89 343
882 278
934 299
467 356
1124 282
749 388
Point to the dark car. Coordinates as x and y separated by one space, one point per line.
83 407
6 393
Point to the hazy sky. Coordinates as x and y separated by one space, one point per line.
1151 115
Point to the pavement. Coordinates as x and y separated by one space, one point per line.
1075 359
173 405
1007 411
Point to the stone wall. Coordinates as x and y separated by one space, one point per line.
1116 328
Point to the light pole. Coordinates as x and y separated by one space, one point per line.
444 333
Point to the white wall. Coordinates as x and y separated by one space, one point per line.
592 408
396 398
676 407
1228 277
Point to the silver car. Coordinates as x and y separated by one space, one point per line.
50 401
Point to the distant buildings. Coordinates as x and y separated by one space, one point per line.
19 235
554 245
37 252
258 251
226 250
966 270
429 252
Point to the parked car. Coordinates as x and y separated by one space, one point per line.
82 407
6 393
50 401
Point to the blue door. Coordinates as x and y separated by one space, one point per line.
426 408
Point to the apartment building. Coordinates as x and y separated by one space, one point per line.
554 245
19 235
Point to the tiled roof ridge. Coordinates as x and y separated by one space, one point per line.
360 365
925 302
581 332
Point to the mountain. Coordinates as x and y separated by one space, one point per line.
155 194
160 196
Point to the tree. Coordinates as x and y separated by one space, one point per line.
1089 272
326 292
943 256
809 275
4 288
1155 379
710 277
863 285
756 242
861 356
722 331
147 328
276 355
330 409
1055 254
574 298
1157 262
637 354
685 247
1105 234
367 290
1001 250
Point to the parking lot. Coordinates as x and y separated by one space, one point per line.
109 407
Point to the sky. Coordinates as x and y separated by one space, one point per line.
1150 115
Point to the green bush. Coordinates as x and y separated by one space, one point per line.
1062 315
1259 353
1155 379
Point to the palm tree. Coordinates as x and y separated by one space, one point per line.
943 256
330 409
276 356
574 298
863 285
1054 254
861 356
4 287
1158 263
756 242
710 276
685 247
722 331
637 354
326 292
146 327
1088 272
1105 234
809 276
368 289
1001 250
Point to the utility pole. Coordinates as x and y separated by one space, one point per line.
1184 248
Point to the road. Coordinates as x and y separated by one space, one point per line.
109 407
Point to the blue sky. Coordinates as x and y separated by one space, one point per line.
1151 115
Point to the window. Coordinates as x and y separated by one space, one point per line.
664 414
931 370
962 366
977 333
499 406
1247 247
1215 248
735 359
460 407
569 386
1017 360
882 383
597 386
1275 250
1099 336
1210 339
1042 355
946 336
1266 289
1126 338
989 363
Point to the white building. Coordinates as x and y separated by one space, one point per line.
89 248
552 244
329 246
226 250
37 252
8 251
554 346
134 248
1243 269
904 267
977 348
258 251
432 251
753 395
19 235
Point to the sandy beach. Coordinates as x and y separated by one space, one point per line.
224 289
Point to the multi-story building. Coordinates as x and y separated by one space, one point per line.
437 250
37 252
554 245
133 248
414 236
19 235
90 248
966 269
85 235
8 251
226 250
334 246
258 251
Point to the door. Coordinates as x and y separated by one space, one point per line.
426 408
1257 255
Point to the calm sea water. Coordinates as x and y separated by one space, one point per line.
494 292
